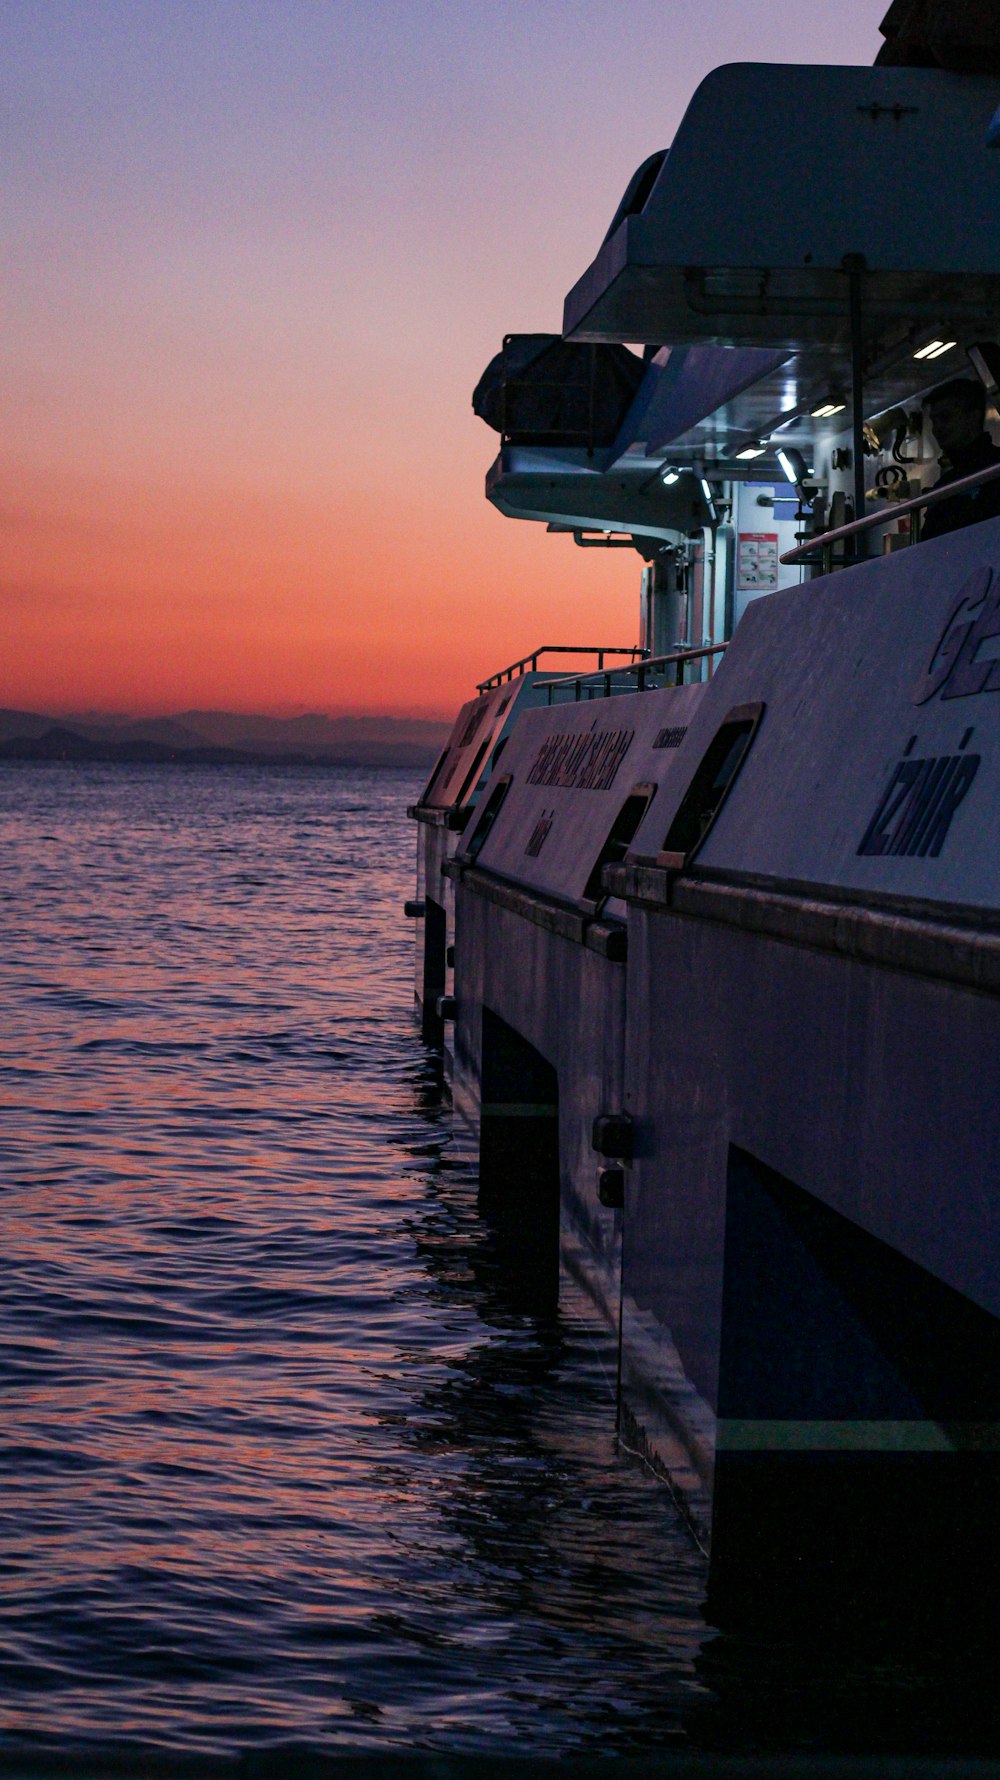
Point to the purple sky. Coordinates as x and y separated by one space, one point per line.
260 255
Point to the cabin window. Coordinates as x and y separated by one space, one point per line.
487 774
476 716
712 781
471 777
439 766
494 760
490 812
620 837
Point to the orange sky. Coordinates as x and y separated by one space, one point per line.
260 257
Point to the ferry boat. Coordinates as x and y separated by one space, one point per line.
709 929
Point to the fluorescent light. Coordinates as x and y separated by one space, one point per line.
793 464
706 489
751 451
670 476
824 412
935 348
985 360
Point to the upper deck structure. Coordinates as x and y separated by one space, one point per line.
779 180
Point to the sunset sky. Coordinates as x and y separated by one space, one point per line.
256 257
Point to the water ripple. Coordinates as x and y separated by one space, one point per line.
284 1460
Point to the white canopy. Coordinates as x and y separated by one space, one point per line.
780 173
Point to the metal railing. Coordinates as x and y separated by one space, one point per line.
826 542
647 675
528 664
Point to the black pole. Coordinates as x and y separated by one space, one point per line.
854 266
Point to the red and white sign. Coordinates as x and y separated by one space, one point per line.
757 562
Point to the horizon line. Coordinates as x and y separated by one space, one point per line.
279 713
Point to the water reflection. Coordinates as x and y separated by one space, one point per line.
569 1544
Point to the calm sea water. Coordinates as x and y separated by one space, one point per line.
284 1457
281 1457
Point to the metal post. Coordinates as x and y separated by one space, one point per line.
854 266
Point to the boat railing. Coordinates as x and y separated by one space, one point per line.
528 664
819 551
648 675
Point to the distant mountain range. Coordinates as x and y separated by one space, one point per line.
224 738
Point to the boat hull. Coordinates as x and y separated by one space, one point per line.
789 999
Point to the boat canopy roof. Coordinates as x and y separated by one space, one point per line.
778 176
695 382
567 494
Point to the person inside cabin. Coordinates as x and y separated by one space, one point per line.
957 413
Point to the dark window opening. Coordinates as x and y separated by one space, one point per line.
490 812
619 839
469 782
439 766
475 718
498 750
435 945
713 780
519 1162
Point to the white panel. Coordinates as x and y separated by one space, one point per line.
572 767
860 686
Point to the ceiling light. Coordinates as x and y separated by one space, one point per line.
935 348
670 476
750 451
827 408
